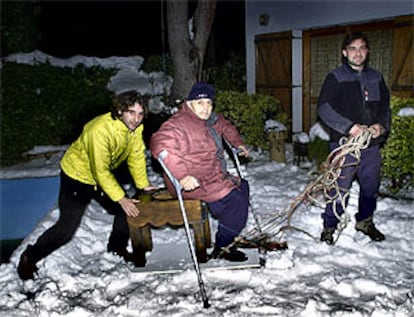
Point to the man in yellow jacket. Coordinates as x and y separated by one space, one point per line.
87 172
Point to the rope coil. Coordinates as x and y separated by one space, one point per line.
324 188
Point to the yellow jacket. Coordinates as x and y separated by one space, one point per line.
103 145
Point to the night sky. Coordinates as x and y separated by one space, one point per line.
105 29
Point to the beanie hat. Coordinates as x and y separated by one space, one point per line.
201 90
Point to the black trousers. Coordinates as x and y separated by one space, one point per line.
74 198
368 174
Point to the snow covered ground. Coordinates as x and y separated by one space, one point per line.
355 277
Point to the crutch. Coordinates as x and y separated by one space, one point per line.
161 157
262 251
235 153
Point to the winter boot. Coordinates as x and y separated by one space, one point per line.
26 267
232 255
122 252
327 235
368 228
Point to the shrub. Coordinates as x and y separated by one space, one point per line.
398 152
249 113
231 75
318 150
46 105
158 63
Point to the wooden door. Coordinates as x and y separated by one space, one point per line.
274 68
402 80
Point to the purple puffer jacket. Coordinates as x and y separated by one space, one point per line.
193 151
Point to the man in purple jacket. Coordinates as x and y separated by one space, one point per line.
353 97
193 140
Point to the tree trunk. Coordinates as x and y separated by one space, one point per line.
188 42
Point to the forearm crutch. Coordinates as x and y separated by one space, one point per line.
262 251
235 153
178 188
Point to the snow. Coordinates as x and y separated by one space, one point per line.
128 76
406 112
355 277
317 130
301 137
274 125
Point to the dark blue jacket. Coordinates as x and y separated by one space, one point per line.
348 97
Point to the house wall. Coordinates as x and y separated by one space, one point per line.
297 16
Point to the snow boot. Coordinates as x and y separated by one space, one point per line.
368 228
26 267
231 254
327 235
123 253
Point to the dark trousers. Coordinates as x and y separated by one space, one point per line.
74 197
368 174
231 213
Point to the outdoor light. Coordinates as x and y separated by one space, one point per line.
264 19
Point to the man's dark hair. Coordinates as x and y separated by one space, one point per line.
123 101
349 38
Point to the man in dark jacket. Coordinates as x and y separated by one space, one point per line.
354 97
193 140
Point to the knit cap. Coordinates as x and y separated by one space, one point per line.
201 90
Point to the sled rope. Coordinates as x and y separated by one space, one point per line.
323 188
